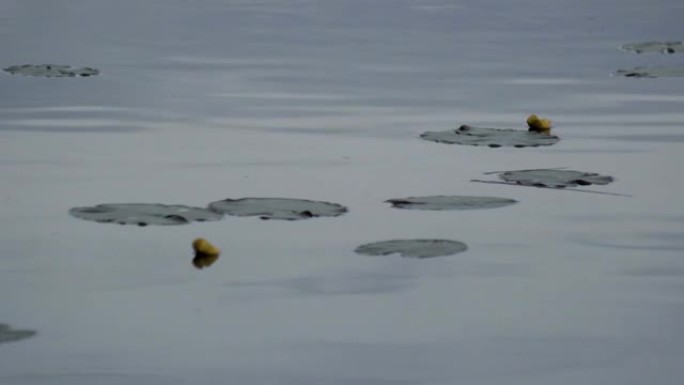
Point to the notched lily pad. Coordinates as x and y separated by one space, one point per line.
51 70
491 137
555 178
9 335
413 248
143 214
652 72
277 208
454 202
669 47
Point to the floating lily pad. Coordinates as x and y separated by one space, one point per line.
454 202
492 137
554 178
143 214
51 70
652 72
9 335
277 208
655 46
413 248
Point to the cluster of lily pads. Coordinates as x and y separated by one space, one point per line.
144 214
667 47
538 134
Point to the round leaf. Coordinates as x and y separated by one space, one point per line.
413 248
278 208
555 178
491 137
669 47
454 202
143 214
51 70
9 335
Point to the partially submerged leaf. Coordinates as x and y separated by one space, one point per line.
143 214
51 70
554 178
652 72
492 137
413 248
9 335
278 208
453 202
655 46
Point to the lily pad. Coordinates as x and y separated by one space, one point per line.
492 137
655 46
554 178
413 248
51 70
9 335
143 214
652 72
454 202
277 208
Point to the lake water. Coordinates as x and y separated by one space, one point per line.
325 99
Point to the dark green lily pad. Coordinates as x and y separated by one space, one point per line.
9 335
454 202
143 214
554 178
51 70
652 72
413 248
277 208
669 47
491 137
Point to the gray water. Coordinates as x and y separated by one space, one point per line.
324 100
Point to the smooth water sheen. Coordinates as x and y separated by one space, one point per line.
325 100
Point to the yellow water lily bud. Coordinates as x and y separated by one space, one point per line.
205 253
532 120
539 125
201 245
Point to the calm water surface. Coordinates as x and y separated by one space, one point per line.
206 100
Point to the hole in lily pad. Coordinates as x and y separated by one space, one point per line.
668 47
143 214
454 202
51 70
492 137
554 178
278 208
9 335
413 248
652 72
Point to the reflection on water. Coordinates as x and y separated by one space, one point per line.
645 241
648 138
328 284
202 260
